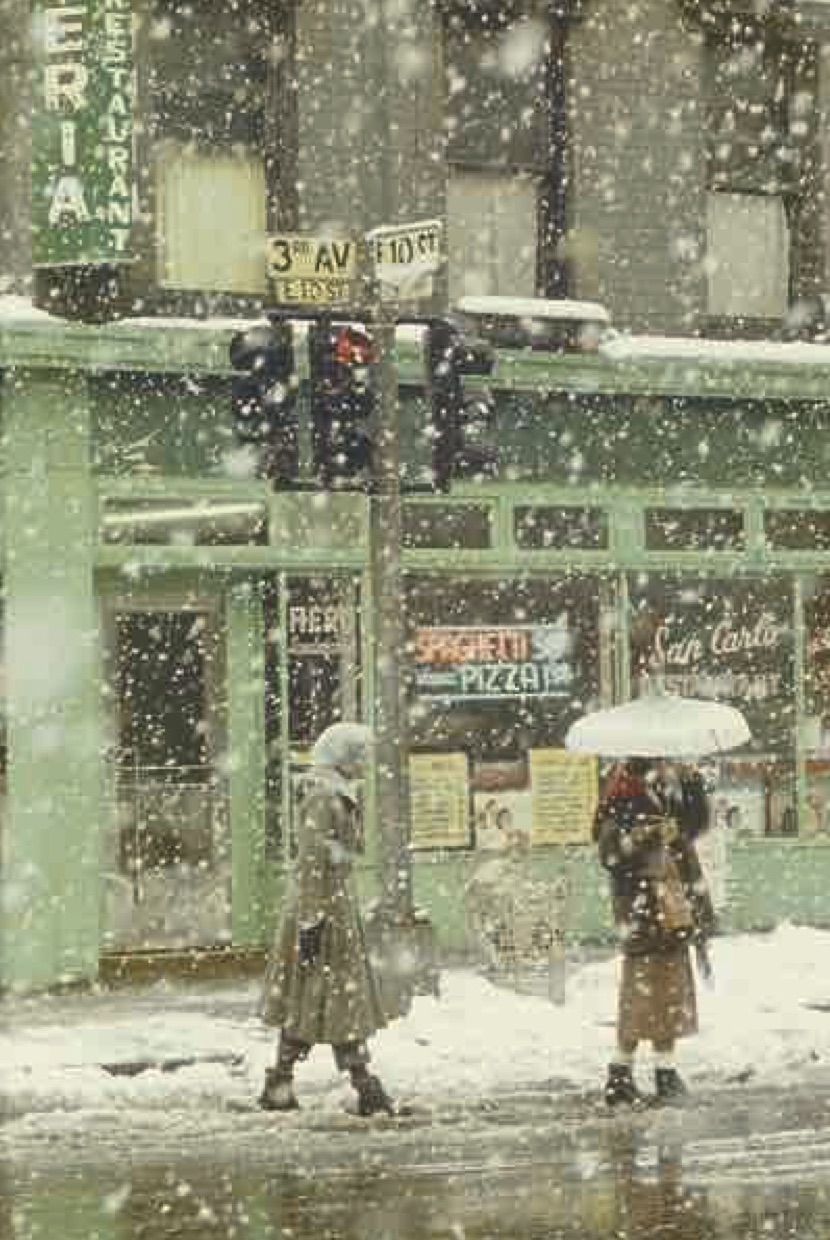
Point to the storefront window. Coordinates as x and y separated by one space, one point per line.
500 671
816 722
729 640
319 683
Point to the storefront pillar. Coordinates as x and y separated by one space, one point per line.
51 872
246 711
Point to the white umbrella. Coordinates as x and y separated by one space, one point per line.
659 725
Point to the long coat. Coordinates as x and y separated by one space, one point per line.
638 833
334 999
637 842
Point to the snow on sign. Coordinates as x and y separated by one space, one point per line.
405 256
312 270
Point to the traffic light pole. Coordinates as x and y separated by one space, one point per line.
387 602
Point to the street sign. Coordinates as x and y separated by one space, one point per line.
405 256
312 271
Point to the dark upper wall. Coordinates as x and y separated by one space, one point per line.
15 135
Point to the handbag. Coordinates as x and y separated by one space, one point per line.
672 907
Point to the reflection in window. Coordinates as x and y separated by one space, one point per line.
794 530
184 523
694 529
538 528
501 667
446 526
730 641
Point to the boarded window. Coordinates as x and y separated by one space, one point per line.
211 221
747 247
492 234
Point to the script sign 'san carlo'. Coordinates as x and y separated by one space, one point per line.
312 271
406 256
82 132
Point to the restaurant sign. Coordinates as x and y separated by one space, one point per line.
481 661
82 131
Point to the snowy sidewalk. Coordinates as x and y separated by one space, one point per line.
190 1047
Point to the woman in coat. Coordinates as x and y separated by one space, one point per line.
320 986
645 829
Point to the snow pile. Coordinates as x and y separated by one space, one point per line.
765 1018
17 309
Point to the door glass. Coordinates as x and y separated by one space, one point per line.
319 682
169 866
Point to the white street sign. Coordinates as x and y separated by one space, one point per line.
406 256
312 270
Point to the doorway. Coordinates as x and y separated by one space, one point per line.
167 854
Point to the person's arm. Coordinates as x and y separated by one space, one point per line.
313 860
624 843
695 811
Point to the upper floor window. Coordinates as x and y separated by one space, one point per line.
492 233
760 129
206 82
748 255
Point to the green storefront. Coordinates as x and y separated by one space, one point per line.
176 633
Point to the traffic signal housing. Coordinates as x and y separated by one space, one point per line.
462 420
343 404
264 398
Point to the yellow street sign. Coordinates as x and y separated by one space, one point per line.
312 270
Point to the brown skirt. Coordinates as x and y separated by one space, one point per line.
657 1000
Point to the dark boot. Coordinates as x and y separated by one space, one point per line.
669 1085
278 1091
372 1098
620 1087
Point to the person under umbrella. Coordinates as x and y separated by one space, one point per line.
645 826
320 987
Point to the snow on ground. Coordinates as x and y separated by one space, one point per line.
760 1020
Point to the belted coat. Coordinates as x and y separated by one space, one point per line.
334 998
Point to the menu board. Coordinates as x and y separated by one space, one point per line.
565 793
439 793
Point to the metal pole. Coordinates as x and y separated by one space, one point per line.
392 749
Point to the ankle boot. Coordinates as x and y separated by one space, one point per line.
669 1085
372 1097
620 1086
278 1092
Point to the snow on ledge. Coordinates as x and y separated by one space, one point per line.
17 309
622 348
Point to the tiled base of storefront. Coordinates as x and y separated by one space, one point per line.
192 964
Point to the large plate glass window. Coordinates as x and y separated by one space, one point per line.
815 728
500 669
728 640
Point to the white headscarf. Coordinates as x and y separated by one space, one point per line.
342 744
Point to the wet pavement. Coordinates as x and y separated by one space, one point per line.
748 1164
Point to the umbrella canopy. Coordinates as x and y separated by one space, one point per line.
659 725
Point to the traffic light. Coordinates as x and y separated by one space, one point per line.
461 421
264 397
343 396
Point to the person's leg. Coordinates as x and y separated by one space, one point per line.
620 1085
278 1091
353 1057
667 1080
